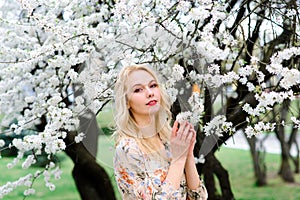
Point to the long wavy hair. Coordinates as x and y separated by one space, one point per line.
125 123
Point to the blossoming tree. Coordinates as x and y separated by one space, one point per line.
234 53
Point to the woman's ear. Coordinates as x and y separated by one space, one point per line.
127 103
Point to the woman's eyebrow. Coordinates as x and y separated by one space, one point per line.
140 84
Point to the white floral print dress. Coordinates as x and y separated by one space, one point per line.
140 176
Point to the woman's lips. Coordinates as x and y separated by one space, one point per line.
151 103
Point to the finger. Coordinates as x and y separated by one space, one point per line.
191 126
193 131
190 137
182 126
185 133
195 134
194 137
180 130
174 129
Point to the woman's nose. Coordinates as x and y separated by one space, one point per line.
149 92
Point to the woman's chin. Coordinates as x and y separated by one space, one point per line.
154 109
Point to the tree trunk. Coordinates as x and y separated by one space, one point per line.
88 125
91 180
293 140
295 159
213 167
209 180
258 158
285 170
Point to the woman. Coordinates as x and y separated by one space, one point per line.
152 160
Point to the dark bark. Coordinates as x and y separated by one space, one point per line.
211 168
209 179
91 180
258 159
293 140
285 170
89 126
237 116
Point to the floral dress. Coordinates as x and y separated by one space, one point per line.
142 176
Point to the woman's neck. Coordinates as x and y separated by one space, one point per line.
147 128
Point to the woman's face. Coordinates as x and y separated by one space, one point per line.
143 95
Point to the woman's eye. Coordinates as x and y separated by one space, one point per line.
137 90
154 85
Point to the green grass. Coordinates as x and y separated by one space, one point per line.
105 119
105 158
239 165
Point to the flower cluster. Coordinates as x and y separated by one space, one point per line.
289 77
259 128
296 122
266 101
10 186
217 126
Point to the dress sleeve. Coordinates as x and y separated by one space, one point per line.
133 180
198 194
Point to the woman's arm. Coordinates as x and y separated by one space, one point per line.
175 173
196 188
191 174
180 142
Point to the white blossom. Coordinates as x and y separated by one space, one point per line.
183 116
296 122
51 186
201 159
250 86
79 137
217 126
29 191
57 173
28 162
2 143
259 128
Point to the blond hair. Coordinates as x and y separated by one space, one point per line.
125 123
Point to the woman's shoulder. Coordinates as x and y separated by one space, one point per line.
126 143
127 151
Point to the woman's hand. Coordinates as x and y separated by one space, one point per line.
182 141
181 144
